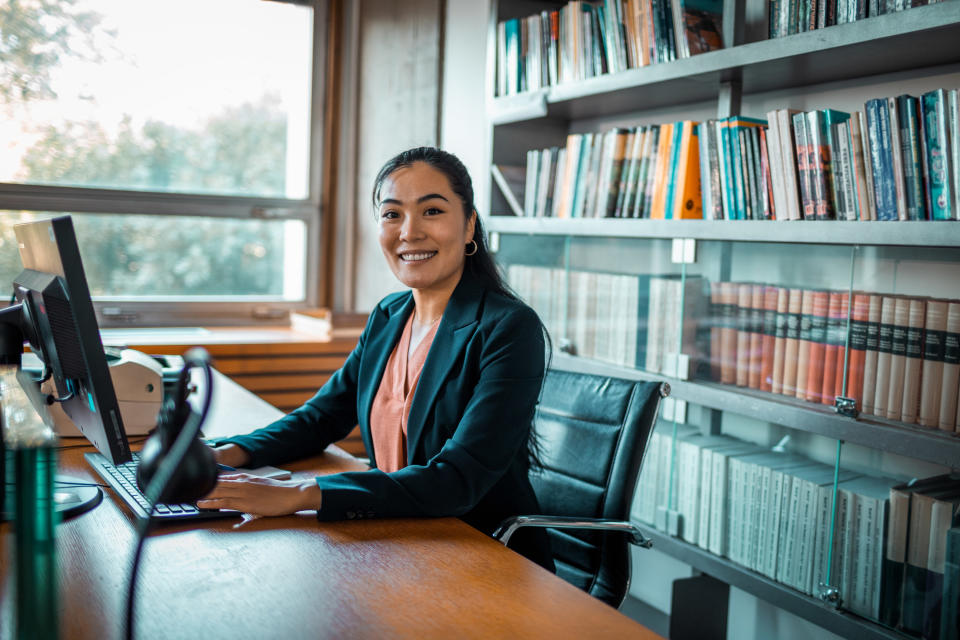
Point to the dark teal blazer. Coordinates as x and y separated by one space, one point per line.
469 421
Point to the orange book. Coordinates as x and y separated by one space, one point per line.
769 337
744 299
913 363
780 340
836 325
658 207
686 201
841 379
792 342
803 349
858 347
756 336
818 344
728 333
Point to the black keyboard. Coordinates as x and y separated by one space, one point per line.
122 478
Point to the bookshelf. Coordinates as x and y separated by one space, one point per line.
920 41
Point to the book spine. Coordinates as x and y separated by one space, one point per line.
861 169
819 160
818 343
913 363
934 116
951 369
836 337
912 167
858 348
896 149
804 167
803 344
728 334
934 338
884 354
898 351
953 133
756 336
892 578
840 337
872 355
775 164
780 340
792 346
769 336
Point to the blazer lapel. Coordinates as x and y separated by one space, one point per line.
456 327
381 342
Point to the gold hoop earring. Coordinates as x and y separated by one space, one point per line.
476 248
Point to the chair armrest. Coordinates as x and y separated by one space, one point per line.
507 528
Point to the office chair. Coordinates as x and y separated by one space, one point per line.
593 432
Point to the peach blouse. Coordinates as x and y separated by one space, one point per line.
391 405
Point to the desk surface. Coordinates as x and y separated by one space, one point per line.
293 577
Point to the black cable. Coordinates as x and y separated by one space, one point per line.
158 484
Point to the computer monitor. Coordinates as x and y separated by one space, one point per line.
56 316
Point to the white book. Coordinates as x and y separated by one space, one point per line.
787 571
589 280
788 153
533 179
775 523
761 503
896 148
864 550
654 325
775 160
543 185
632 312
558 183
707 451
815 543
720 497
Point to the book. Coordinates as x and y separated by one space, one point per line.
953 133
835 338
862 175
896 153
872 354
908 112
744 300
934 335
714 321
768 337
884 354
951 369
805 160
938 154
898 357
777 177
792 342
916 569
685 201
780 340
881 158
788 157
950 613
858 348
895 557
841 335
756 336
913 367
807 337
728 333
942 516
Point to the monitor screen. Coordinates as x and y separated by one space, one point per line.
61 326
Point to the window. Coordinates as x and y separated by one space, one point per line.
180 135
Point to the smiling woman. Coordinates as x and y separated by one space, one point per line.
443 382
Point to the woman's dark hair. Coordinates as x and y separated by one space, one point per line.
480 264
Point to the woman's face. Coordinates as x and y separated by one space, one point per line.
423 228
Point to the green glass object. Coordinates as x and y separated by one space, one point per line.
31 456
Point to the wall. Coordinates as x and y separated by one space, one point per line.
397 101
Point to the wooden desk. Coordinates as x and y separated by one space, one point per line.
293 577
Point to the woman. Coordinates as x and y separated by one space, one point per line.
443 381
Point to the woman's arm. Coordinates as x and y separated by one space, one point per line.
489 436
323 419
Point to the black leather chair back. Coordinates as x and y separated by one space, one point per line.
593 432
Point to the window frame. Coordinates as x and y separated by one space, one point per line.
123 312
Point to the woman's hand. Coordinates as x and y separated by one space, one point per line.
231 455
262 496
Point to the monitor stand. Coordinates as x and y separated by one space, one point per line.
72 496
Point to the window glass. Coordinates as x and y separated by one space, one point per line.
138 257
182 96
